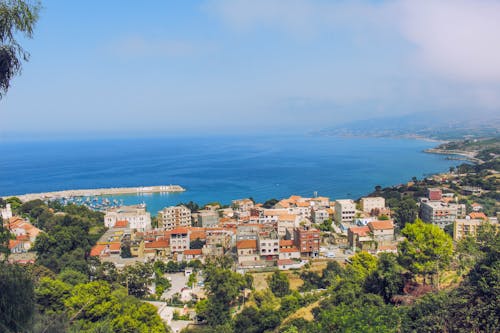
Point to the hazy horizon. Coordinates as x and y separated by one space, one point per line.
229 67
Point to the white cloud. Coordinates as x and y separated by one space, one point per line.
458 39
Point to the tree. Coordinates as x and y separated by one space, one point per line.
388 279
279 284
426 250
16 16
137 278
4 241
16 299
406 212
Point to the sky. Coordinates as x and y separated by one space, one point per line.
121 67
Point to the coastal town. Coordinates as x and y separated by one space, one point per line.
291 234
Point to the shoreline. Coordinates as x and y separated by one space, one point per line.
469 156
98 192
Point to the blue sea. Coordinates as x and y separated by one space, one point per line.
217 168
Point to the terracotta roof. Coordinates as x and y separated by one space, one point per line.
285 242
159 244
302 204
381 225
197 234
478 215
362 231
13 243
121 224
247 244
288 250
192 252
287 217
179 231
97 250
114 246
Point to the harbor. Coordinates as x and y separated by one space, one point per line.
68 194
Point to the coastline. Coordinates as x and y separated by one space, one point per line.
469 156
99 192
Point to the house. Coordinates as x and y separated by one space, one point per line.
319 215
286 224
247 251
20 227
193 254
466 227
207 218
18 246
288 250
242 207
6 213
434 194
361 237
382 230
287 264
478 215
136 216
157 248
476 207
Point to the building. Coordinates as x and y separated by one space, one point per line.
136 216
207 219
307 241
360 237
320 215
247 251
434 194
466 227
382 231
242 207
268 244
173 217
345 211
179 240
440 213
370 204
286 224
6 213
288 250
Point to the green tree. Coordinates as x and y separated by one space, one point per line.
406 212
279 284
16 17
50 295
387 280
426 250
137 278
16 299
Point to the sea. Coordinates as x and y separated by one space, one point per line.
218 168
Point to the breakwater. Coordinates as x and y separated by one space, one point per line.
100 191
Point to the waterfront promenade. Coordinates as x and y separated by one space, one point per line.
99 191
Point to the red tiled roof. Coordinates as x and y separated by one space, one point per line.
381 225
197 234
288 250
362 231
179 231
97 250
478 215
114 246
121 224
247 244
284 242
13 243
192 252
159 244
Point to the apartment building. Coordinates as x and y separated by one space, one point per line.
173 217
307 241
370 204
345 210
440 213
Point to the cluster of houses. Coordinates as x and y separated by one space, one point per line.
23 232
283 235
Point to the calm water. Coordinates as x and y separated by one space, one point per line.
217 168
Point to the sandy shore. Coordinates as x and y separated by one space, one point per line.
99 191
468 155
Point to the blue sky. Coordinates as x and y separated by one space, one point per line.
233 66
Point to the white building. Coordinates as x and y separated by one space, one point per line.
440 213
370 203
345 210
136 216
173 217
6 212
318 216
